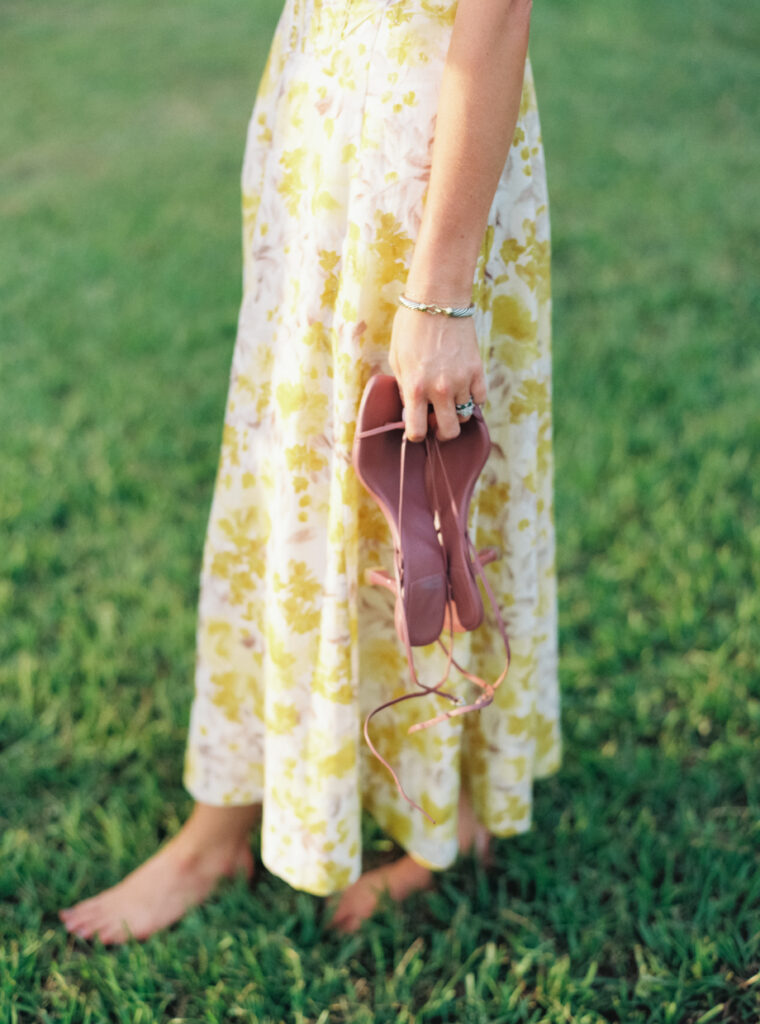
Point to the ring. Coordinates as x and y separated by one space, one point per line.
466 409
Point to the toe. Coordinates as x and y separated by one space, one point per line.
335 919
80 910
83 914
100 926
111 934
76 908
74 920
347 924
87 923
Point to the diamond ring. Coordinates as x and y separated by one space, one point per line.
466 409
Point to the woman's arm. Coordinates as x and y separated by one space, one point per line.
436 358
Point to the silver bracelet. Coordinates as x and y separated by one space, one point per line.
434 307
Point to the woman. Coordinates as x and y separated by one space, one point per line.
394 147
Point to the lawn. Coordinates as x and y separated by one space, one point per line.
636 897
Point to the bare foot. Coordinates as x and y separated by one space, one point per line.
359 901
211 845
472 835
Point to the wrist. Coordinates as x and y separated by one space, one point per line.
436 287
444 265
442 272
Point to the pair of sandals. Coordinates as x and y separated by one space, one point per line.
424 491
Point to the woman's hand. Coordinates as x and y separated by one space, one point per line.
435 358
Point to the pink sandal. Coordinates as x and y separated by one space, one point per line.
424 580
392 470
452 473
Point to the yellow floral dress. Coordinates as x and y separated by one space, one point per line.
293 648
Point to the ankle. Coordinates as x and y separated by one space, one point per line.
220 858
200 849
406 874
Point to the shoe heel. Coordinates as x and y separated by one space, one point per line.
450 480
377 459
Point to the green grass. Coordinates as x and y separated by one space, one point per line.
636 898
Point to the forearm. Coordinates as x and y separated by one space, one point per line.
477 115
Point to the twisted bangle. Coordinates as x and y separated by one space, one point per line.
434 307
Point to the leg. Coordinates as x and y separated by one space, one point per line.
404 876
359 901
212 844
471 833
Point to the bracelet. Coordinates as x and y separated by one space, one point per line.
434 307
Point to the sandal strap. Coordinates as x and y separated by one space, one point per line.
403 629
488 689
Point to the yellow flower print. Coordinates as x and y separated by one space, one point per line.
324 201
317 337
517 808
493 499
482 288
545 731
398 14
280 657
304 457
511 250
242 557
516 330
293 183
443 13
250 205
340 762
231 443
282 718
233 691
337 876
544 453
309 403
221 632
532 397
391 246
226 697
325 683
328 261
297 595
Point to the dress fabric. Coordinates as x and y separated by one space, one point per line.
293 647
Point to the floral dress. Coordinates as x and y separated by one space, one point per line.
293 647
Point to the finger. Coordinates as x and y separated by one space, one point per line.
478 388
446 418
415 418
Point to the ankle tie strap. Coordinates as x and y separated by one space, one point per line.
432 448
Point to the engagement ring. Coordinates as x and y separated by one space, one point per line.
466 409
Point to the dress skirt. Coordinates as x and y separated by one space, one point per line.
293 647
